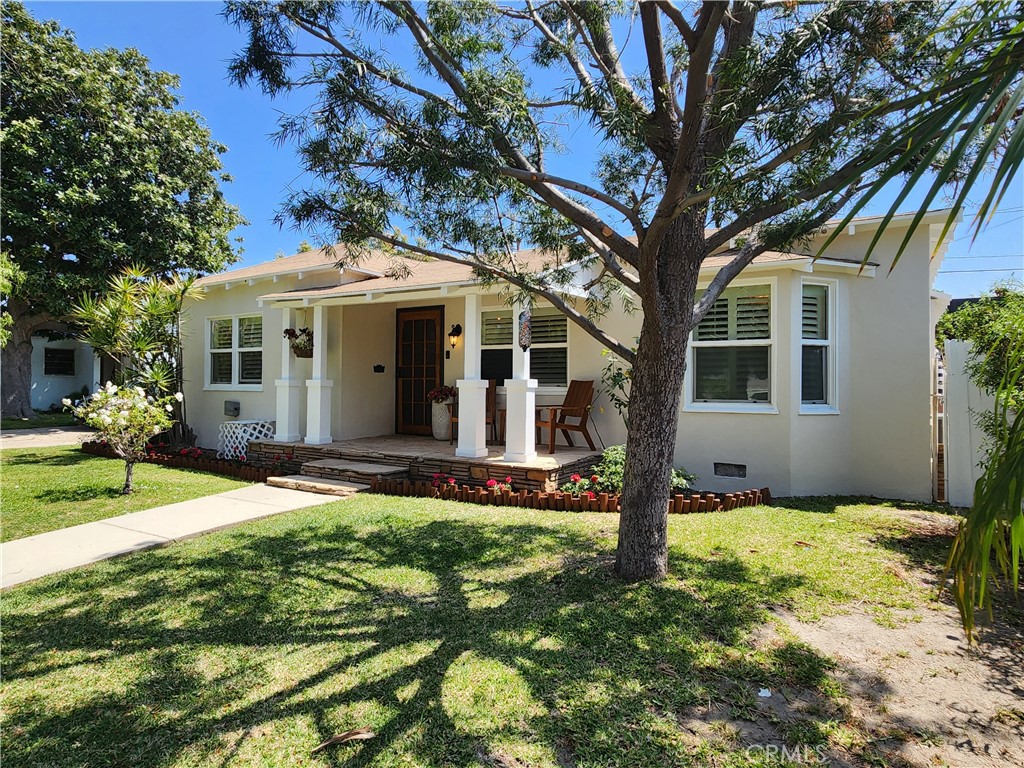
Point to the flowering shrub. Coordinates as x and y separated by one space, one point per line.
442 394
439 480
608 475
191 453
126 418
497 485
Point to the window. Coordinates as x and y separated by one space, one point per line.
549 352
815 345
58 362
732 348
236 351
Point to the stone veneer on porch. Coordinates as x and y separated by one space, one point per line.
424 457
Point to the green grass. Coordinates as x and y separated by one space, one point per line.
59 419
43 489
463 635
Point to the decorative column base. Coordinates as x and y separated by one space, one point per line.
289 403
520 420
318 411
472 418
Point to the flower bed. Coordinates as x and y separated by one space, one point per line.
197 459
503 496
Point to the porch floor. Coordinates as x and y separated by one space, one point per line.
425 456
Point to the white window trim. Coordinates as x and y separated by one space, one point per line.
772 342
549 389
831 408
234 350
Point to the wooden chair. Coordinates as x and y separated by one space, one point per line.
490 412
575 406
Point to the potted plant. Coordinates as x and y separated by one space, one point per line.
301 341
440 398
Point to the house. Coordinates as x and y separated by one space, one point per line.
808 376
61 367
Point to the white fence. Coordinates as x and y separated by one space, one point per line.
963 439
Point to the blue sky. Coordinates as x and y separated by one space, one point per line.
191 40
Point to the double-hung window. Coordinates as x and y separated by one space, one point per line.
235 351
549 348
732 349
816 354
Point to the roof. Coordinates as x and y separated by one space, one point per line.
317 260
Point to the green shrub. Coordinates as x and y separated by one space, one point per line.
608 475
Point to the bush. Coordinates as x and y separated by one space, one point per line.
607 476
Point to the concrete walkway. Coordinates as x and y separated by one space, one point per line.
44 437
35 556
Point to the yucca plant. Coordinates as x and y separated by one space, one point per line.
990 539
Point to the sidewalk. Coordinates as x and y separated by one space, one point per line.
29 558
44 437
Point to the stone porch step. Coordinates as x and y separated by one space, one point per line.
325 485
353 471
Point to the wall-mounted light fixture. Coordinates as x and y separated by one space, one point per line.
453 334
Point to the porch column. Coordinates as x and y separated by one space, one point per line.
520 402
97 368
289 387
472 389
318 387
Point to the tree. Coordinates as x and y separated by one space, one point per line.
137 323
101 170
760 120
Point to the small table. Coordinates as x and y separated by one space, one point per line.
233 440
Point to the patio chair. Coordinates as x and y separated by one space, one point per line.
575 406
490 412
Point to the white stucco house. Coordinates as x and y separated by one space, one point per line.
808 376
61 367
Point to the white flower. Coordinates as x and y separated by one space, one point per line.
178 396
66 401
169 408
156 430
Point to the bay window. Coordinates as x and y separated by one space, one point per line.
235 352
732 349
816 354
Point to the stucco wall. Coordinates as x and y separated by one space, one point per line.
876 441
48 391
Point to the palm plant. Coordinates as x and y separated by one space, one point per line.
137 323
992 532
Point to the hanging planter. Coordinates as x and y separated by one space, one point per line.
301 341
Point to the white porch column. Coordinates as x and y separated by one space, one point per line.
97 368
472 389
520 402
289 387
318 387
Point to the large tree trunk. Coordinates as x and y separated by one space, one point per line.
16 365
655 389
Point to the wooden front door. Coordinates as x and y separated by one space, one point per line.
419 369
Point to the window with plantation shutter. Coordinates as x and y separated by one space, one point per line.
549 354
732 348
816 345
235 352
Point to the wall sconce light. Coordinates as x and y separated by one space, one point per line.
454 333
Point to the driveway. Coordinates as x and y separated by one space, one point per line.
43 437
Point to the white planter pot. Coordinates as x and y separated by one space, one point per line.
440 426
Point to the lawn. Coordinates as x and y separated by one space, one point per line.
43 489
58 419
462 635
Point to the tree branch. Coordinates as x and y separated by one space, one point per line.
677 19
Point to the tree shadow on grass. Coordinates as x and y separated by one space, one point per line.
79 493
460 642
69 458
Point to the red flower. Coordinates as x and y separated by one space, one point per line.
591 495
575 478
595 479
183 452
491 483
242 457
508 479
451 481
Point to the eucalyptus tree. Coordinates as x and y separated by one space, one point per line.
629 139
101 170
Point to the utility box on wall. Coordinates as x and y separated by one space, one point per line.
232 408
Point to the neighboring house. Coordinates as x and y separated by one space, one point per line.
61 368
808 376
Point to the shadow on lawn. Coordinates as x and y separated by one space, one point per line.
391 626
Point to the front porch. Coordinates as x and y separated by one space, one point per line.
423 457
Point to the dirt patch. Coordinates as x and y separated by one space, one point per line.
920 694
